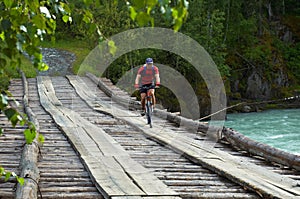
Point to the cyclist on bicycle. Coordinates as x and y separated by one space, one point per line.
148 74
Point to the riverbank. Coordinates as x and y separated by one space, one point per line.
247 106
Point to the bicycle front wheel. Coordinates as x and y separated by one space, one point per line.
149 111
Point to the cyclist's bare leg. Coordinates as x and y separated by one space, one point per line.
143 96
153 97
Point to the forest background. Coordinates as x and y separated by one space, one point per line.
255 44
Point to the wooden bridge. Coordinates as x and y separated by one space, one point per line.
95 147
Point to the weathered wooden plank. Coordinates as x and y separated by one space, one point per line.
146 197
49 90
81 87
74 195
73 134
7 194
111 176
144 178
221 195
127 197
66 179
59 188
106 143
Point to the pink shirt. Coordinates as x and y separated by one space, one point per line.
147 76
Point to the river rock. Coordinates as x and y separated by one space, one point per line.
246 109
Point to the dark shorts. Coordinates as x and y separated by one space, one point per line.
144 90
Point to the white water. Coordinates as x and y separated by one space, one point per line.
277 128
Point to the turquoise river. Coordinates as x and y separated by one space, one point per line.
277 128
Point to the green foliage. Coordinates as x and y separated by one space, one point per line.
206 25
292 57
143 11
15 117
23 24
7 175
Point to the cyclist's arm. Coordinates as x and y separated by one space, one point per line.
157 79
137 79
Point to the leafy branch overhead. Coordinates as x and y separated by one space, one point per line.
24 24
16 118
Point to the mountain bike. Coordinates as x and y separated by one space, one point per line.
149 104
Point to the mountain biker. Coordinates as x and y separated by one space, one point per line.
149 76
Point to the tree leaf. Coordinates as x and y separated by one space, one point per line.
8 3
65 8
10 113
143 18
178 23
138 4
151 3
87 2
7 175
43 67
133 13
20 180
2 171
41 139
174 13
92 28
1 131
39 21
65 18
2 36
112 47
29 136
22 122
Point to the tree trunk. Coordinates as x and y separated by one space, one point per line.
28 164
227 21
260 17
270 13
283 7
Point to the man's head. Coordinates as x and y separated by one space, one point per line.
149 61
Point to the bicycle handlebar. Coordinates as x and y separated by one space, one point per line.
148 87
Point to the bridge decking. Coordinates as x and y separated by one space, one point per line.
96 148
